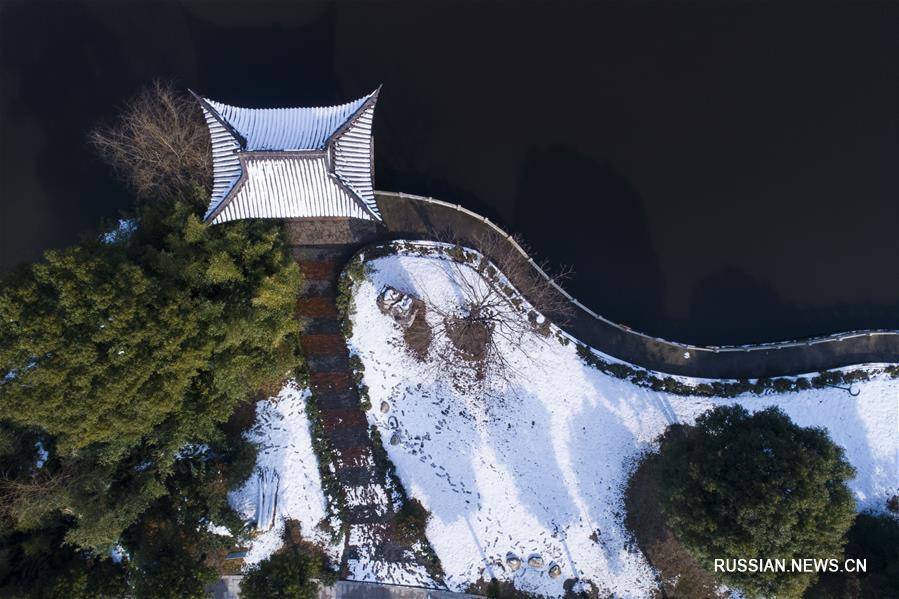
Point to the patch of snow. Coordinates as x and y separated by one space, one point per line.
540 466
371 570
118 553
121 232
192 450
281 433
42 455
218 529
12 374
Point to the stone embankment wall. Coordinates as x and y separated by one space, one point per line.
414 217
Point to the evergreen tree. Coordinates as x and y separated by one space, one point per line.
173 550
35 562
39 565
125 351
757 486
873 538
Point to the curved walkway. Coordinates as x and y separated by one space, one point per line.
415 217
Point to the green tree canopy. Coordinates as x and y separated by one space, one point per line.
756 486
173 551
285 575
123 351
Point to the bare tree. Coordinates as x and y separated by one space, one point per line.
503 299
21 499
537 282
159 145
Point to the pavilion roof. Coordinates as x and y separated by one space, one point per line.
292 162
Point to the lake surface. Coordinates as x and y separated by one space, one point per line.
715 172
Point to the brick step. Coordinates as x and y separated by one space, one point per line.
343 419
321 253
348 438
353 457
367 514
347 399
331 381
375 536
391 551
317 288
317 307
324 270
357 476
323 344
327 362
320 325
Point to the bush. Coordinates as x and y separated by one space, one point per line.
498 589
411 522
285 575
761 386
756 486
875 539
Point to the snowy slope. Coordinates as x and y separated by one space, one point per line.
539 467
286 476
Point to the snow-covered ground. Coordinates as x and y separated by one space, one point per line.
286 483
540 466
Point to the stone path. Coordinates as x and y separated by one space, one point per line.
370 553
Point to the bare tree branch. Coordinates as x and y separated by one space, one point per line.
502 299
159 145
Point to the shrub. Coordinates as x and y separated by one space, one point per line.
411 521
747 486
893 504
761 386
285 575
875 539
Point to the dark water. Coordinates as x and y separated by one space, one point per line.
716 172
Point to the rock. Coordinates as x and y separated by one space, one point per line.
385 407
513 561
395 438
535 561
555 570
398 305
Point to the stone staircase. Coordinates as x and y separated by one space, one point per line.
369 552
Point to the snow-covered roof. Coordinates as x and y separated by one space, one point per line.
291 162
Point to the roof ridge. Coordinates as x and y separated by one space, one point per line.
369 102
238 136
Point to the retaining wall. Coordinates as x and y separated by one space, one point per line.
415 217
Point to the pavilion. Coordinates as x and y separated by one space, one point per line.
292 163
